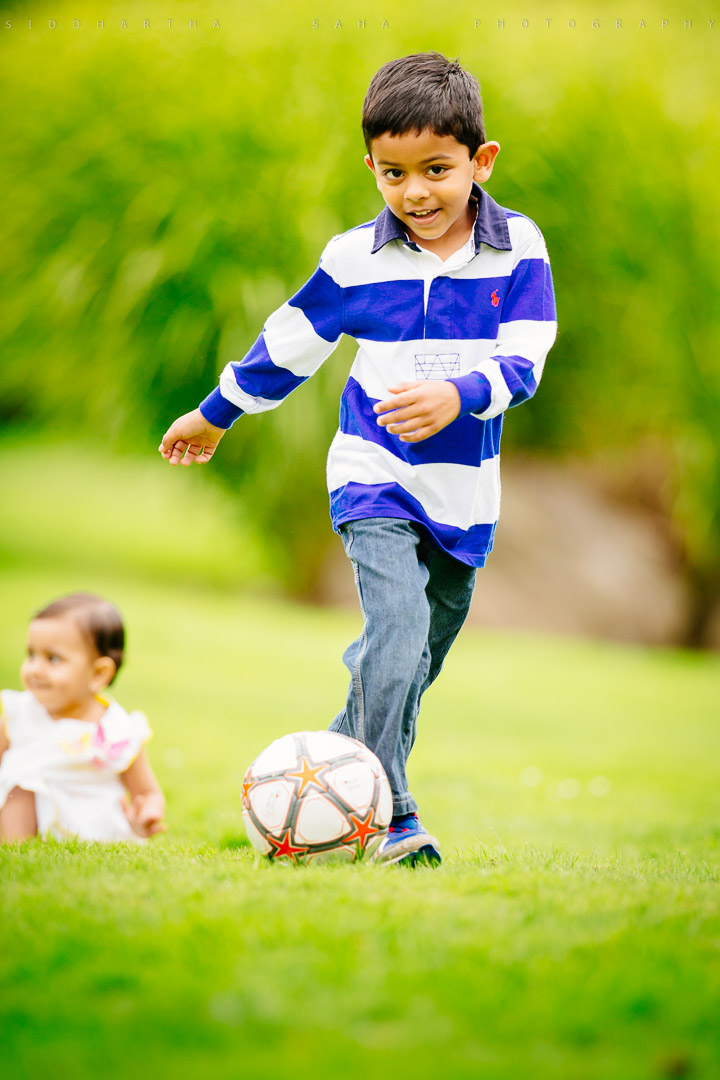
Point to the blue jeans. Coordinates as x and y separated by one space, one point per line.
414 599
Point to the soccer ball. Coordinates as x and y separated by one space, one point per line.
316 796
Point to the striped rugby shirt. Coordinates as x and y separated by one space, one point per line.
484 319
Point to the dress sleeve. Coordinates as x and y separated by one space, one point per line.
120 738
10 708
528 327
295 341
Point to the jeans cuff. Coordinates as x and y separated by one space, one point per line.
404 804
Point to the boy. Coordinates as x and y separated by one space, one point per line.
450 299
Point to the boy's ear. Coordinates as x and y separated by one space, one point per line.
103 673
484 159
371 166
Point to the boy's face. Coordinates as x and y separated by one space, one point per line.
426 181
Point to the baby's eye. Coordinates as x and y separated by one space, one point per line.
53 658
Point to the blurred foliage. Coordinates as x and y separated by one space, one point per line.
167 188
85 514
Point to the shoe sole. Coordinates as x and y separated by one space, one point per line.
414 851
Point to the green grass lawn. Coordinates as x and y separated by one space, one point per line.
573 930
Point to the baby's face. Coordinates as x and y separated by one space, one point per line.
60 669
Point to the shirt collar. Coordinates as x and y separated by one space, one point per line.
490 228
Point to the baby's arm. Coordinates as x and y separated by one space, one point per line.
146 805
418 410
17 816
190 438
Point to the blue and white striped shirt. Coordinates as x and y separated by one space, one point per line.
484 319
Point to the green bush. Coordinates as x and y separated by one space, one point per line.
169 190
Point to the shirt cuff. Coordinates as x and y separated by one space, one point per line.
475 392
219 411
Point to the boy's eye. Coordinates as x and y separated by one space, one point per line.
437 170
393 174
53 658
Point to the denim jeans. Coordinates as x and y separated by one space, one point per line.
414 599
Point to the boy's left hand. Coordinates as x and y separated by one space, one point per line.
419 409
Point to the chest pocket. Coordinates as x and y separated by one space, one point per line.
464 308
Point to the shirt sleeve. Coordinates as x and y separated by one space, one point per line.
527 330
295 341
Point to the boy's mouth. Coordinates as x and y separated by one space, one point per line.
424 219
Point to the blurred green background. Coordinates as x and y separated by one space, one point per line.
166 187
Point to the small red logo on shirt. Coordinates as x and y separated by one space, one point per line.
495 298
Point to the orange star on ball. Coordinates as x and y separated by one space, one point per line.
308 775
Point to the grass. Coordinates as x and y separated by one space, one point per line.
572 931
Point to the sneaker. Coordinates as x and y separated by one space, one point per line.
407 842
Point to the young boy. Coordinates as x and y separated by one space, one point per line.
450 300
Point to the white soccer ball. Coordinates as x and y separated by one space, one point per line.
316 795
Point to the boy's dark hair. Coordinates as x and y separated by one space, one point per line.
98 620
425 90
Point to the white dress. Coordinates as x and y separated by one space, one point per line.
71 765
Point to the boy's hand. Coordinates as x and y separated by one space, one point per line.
145 813
419 409
190 438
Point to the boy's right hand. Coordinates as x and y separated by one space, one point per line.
190 438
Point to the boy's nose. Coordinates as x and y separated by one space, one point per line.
416 188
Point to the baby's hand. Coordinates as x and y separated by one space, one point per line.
190 438
418 410
145 813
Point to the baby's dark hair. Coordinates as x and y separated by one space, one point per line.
425 90
98 620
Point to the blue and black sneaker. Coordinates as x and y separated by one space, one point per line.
407 842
